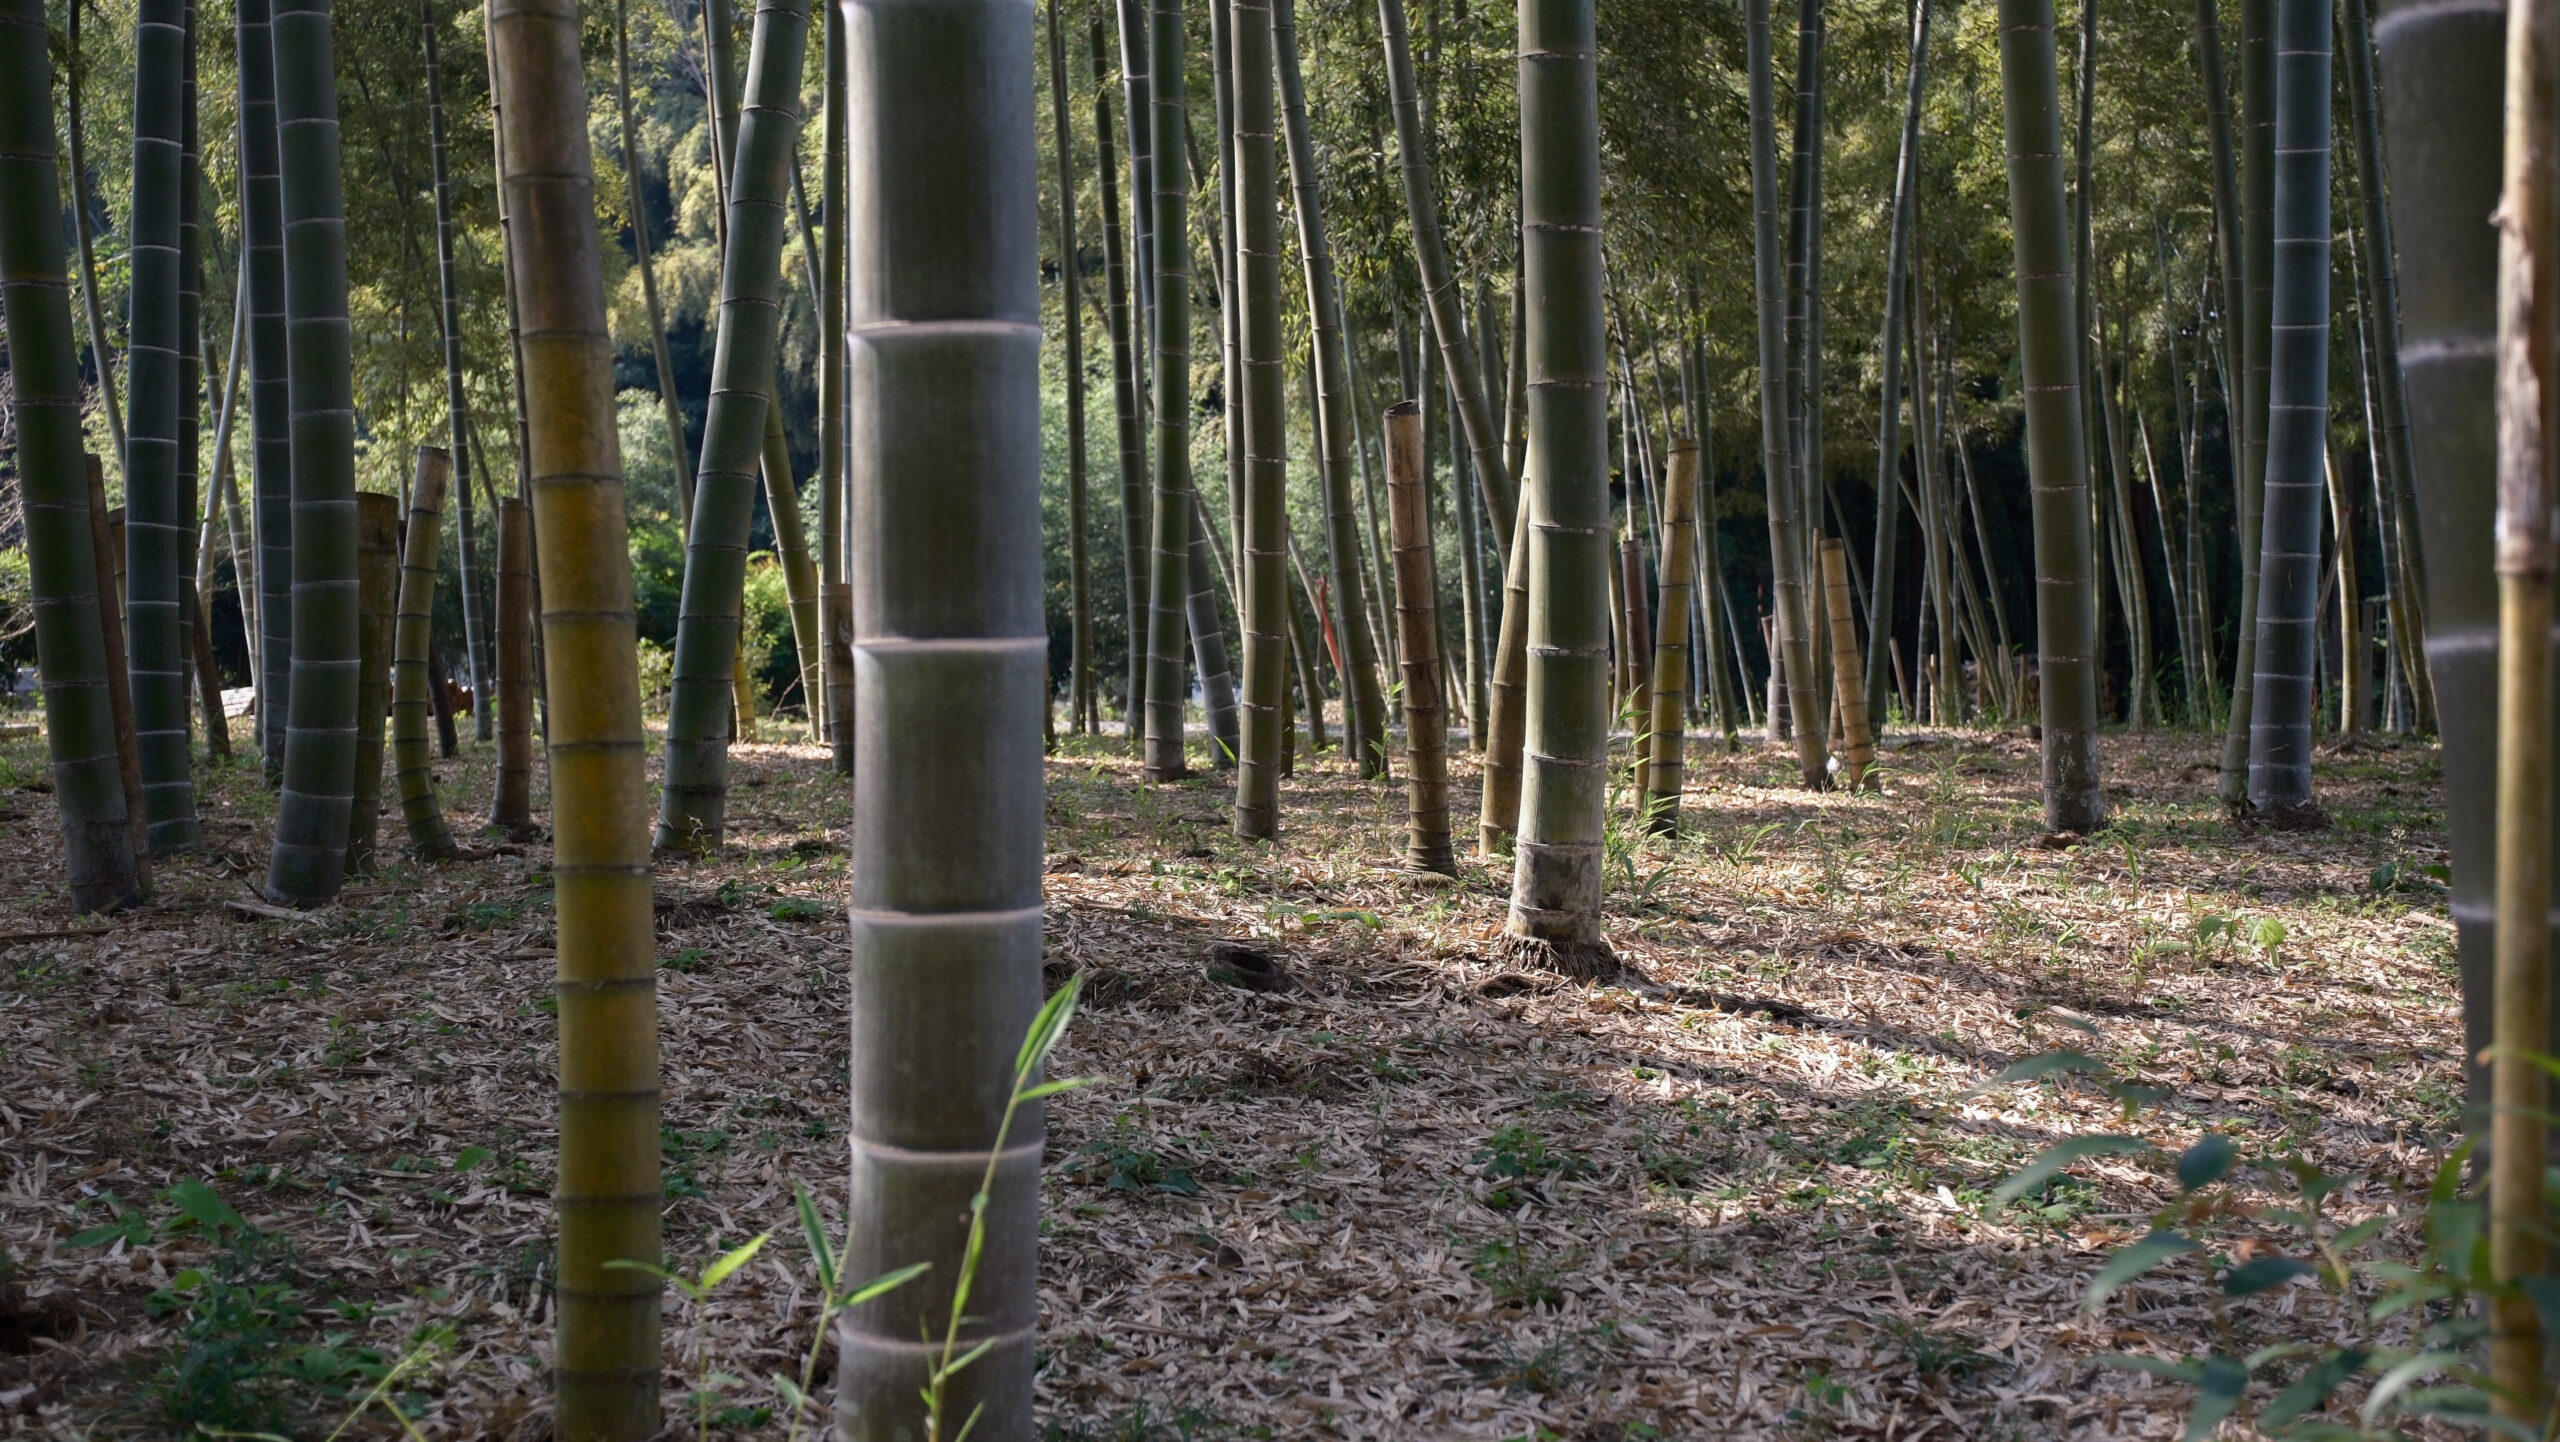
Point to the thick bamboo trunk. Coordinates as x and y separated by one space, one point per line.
1557 867
1262 354
608 1198
412 643
105 545
53 483
2057 455
1794 655
691 815
2284 691
951 651
377 601
1426 717
309 860
511 801
270 398
2256 278
1169 262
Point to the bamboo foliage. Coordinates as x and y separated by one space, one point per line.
420 811
951 655
44 401
157 513
2285 691
692 806
1556 876
2057 453
2441 78
309 860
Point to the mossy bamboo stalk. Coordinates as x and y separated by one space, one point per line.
2285 691
693 803
475 640
511 800
2057 454
413 638
1789 602
377 602
1556 876
1426 717
309 860
1263 378
1364 701
608 1195
952 659
157 514
1667 740
52 476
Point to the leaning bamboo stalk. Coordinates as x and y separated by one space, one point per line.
1426 721
411 707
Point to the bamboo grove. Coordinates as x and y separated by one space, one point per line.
1559 388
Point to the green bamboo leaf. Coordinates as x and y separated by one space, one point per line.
2218 1392
2311 1390
2062 1154
625 1264
813 1234
2397 1379
2250 1278
727 1263
206 1209
1063 1084
882 1284
1048 1026
2132 1262
2205 1163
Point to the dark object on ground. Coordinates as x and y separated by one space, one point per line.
1234 964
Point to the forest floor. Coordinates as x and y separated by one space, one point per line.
1415 1195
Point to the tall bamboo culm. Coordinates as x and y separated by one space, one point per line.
414 635
1263 357
2286 692
157 515
377 604
1667 745
1426 715
105 547
2528 305
309 860
270 391
693 805
2057 450
44 400
951 655
2256 277
1080 687
1169 261
1364 700
511 799
1897 292
2442 80
607 1196
1556 873
1848 679
1129 423
1790 603
469 570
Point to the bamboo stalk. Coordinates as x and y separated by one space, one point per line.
1426 719
412 642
